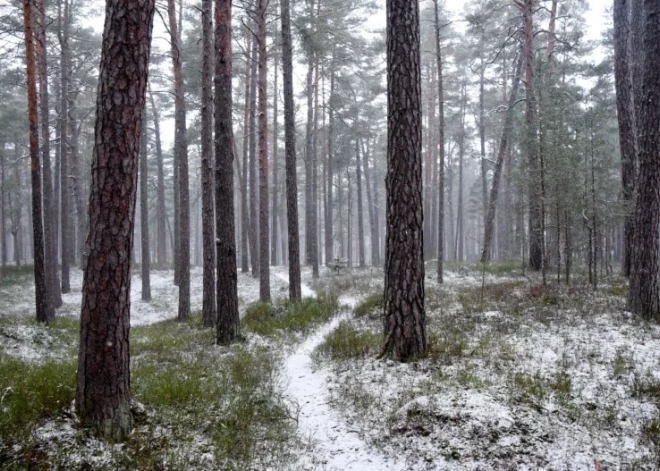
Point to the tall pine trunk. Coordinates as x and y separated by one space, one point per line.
264 243
243 175
643 295
144 213
253 229
181 163
103 378
227 294
290 150
43 303
274 239
63 33
441 146
360 210
405 318
209 313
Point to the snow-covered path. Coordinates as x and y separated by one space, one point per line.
333 445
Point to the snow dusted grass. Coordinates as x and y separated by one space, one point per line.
518 376
197 406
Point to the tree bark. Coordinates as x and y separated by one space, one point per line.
290 150
181 159
329 230
209 313
274 241
43 303
63 33
371 209
405 319
243 176
253 229
144 213
441 146
103 377
360 210
486 253
626 118
264 243
643 296
227 295
50 239
161 249
531 143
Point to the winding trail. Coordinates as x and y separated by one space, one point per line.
333 446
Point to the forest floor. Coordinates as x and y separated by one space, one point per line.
517 376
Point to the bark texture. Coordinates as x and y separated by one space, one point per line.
209 313
227 294
441 146
264 242
643 296
405 319
43 304
625 107
290 152
103 377
181 163
144 214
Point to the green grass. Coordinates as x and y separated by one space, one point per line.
346 342
12 274
32 392
371 307
288 316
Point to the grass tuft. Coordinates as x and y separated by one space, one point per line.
371 307
289 316
346 342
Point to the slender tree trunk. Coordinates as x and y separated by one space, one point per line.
405 318
43 302
460 216
643 295
315 168
253 230
243 176
441 146
329 230
209 313
360 211
276 198
227 296
428 167
264 243
626 119
50 239
349 218
3 215
144 213
531 143
161 214
181 159
103 378
309 161
486 253
64 143
290 151
375 258
482 142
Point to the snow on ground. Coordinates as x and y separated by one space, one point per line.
332 444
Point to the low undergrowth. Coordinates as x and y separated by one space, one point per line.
197 406
346 342
286 316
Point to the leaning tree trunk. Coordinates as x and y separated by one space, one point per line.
626 119
227 295
643 296
486 253
103 379
181 162
264 243
144 214
405 319
209 313
290 150
43 304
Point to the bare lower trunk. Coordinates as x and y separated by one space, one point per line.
144 214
